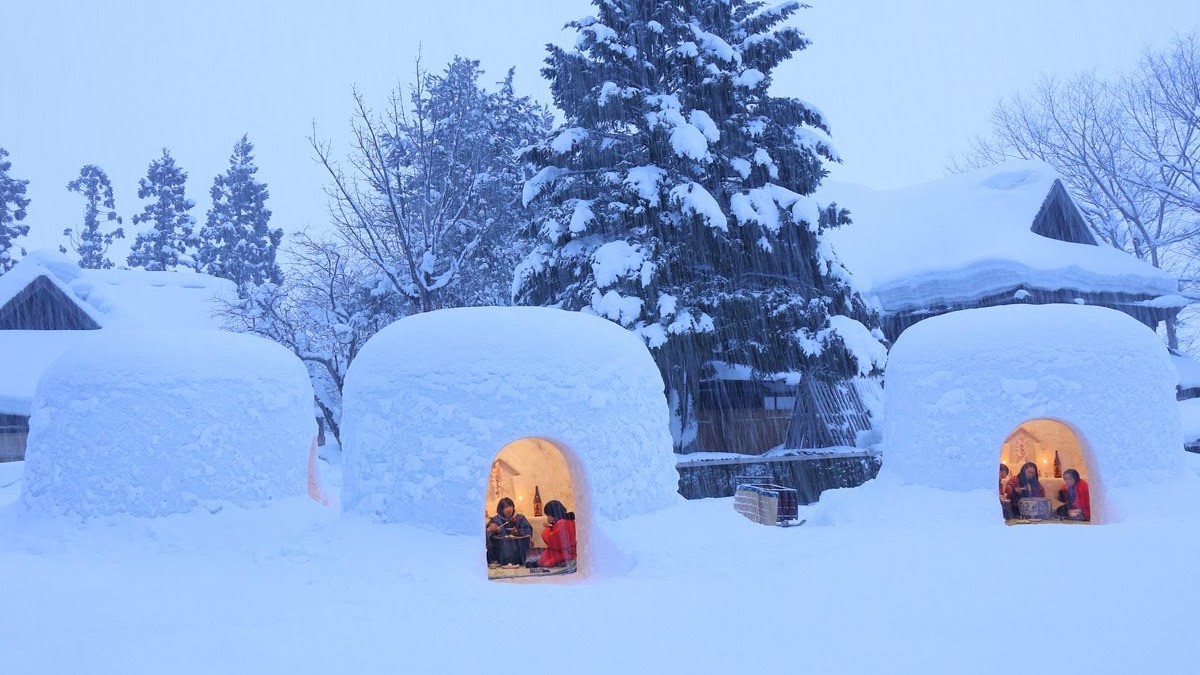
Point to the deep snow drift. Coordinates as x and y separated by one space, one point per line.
883 579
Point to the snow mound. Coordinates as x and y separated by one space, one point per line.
432 399
150 423
960 383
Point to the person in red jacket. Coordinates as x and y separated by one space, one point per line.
559 535
1075 496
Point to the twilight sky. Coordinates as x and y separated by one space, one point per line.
904 84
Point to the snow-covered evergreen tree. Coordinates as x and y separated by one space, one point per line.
13 203
90 243
165 246
237 242
680 191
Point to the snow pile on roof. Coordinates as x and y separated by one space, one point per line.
127 298
114 299
969 236
432 399
960 383
149 423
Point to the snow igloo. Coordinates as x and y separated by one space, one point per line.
968 390
151 423
447 411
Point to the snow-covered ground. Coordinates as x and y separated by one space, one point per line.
882 579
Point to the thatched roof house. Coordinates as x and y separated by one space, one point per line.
1007 234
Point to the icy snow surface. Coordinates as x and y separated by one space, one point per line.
968 236
148 423
882 579
432 399
960 383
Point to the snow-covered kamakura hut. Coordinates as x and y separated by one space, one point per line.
1005 234
48 305
970 389
149 423
446 411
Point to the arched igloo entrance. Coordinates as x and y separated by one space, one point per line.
434 399
1060 489
531 473
961 383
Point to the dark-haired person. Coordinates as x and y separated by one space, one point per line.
559 535
508 535
1075 496
1005 504
1026 484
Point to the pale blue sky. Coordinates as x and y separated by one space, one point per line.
904 84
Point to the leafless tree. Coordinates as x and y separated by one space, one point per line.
324 311
431 186
1127 149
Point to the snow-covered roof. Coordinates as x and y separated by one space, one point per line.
113 299
133 299
969 236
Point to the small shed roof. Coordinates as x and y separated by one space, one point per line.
134 299
80 301
827 415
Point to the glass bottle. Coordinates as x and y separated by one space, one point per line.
537 501
1057 466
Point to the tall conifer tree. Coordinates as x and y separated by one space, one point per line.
90 242
166 245
13 203
680 187
237 242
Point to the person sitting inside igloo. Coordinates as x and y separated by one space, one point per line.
1075 497
508 536
559 535
1027 494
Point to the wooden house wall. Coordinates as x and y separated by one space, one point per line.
43 306
894 324
1060 219
14 430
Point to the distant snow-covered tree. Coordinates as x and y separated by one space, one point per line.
679 189
429 195
13 203
90 243
166 245
237 242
